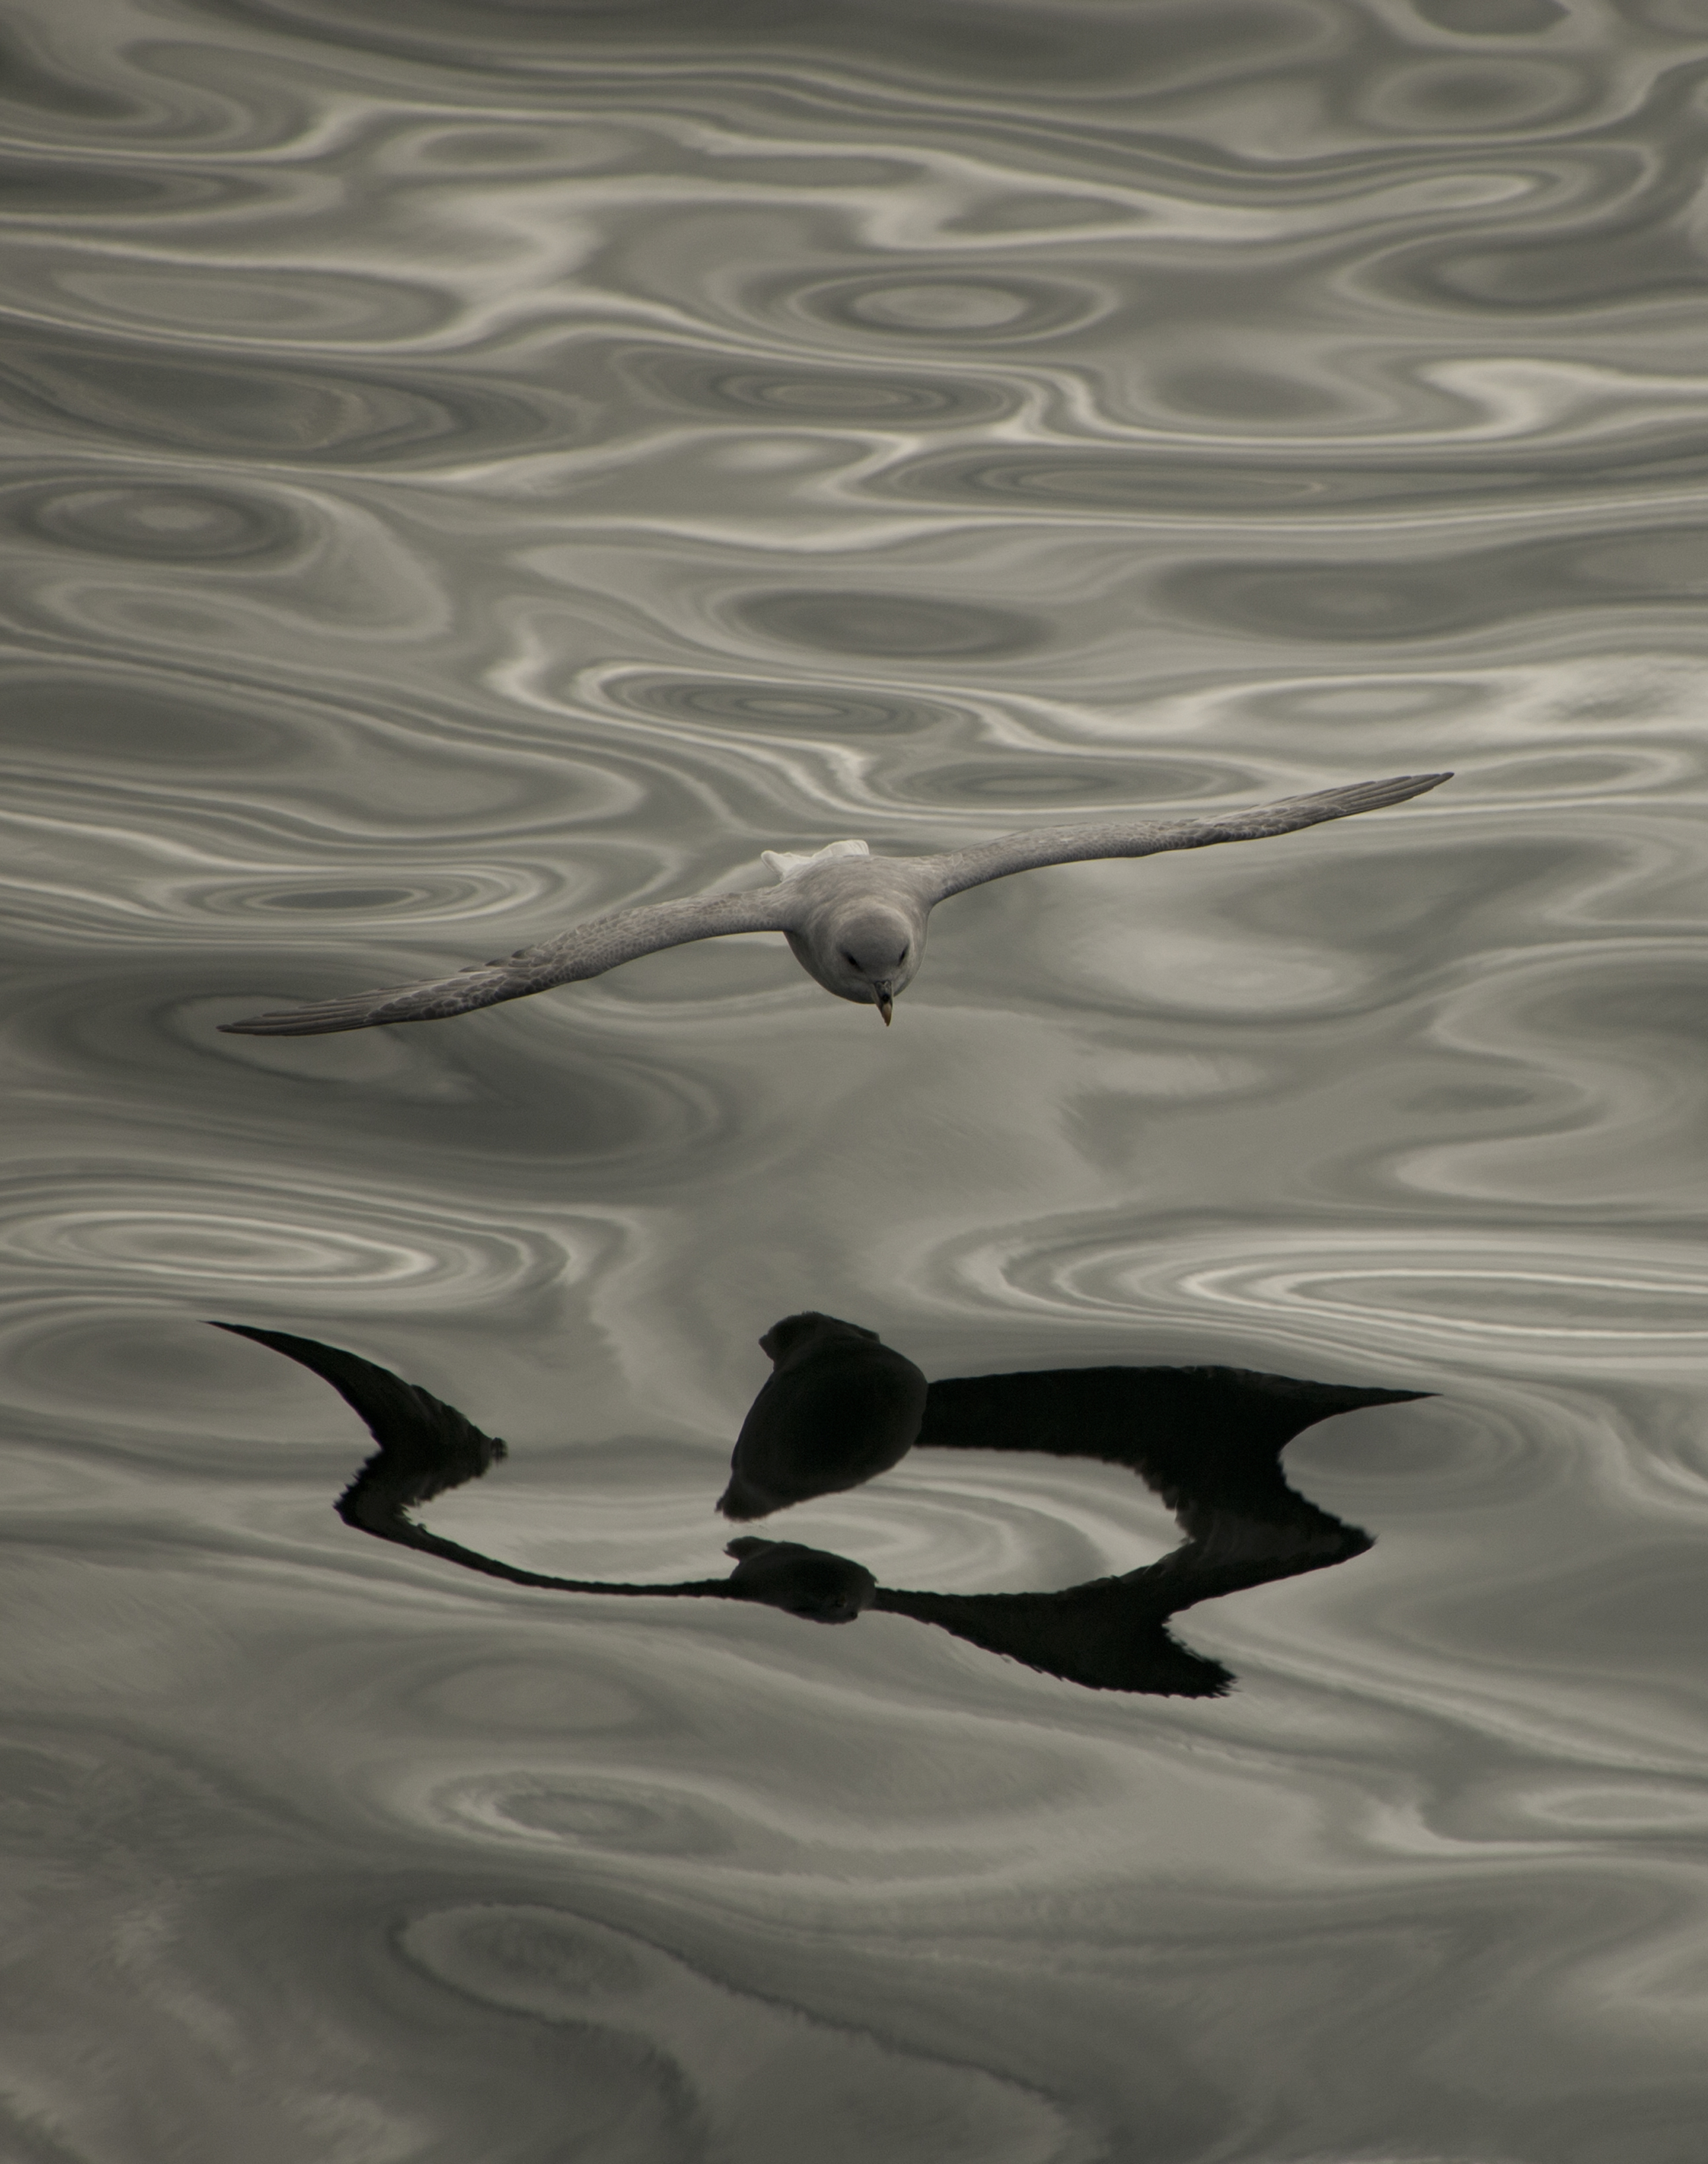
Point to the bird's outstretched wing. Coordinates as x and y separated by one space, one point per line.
426 1448
957 869
1209 1441
586 950
1112 1634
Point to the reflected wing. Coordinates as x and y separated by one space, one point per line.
426 1448
1112 1634
586 950
957 869
1208 1439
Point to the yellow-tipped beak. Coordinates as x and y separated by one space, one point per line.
886 1007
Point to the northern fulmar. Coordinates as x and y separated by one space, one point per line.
856 923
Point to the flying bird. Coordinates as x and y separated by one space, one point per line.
856 923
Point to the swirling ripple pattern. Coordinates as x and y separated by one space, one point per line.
469 465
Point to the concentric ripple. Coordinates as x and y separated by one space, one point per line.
1498 1302
284 1247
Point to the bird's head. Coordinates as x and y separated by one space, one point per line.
868 955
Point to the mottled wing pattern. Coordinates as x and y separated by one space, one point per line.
957 869
586 950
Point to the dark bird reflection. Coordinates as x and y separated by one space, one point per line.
1207 1440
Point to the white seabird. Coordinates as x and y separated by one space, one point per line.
856 923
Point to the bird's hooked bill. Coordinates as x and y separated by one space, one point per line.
886 1007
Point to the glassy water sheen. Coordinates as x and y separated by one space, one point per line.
473 465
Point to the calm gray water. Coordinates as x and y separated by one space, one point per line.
472 465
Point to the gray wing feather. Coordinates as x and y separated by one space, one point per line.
957 869
586 950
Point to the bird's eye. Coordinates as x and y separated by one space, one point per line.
849 959
901 957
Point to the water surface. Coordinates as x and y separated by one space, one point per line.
472 465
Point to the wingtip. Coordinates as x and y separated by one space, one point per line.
1382 795
279 1341
261 1025
293 1022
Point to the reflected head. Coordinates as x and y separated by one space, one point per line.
807 1582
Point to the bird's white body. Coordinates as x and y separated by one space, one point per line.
855 923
